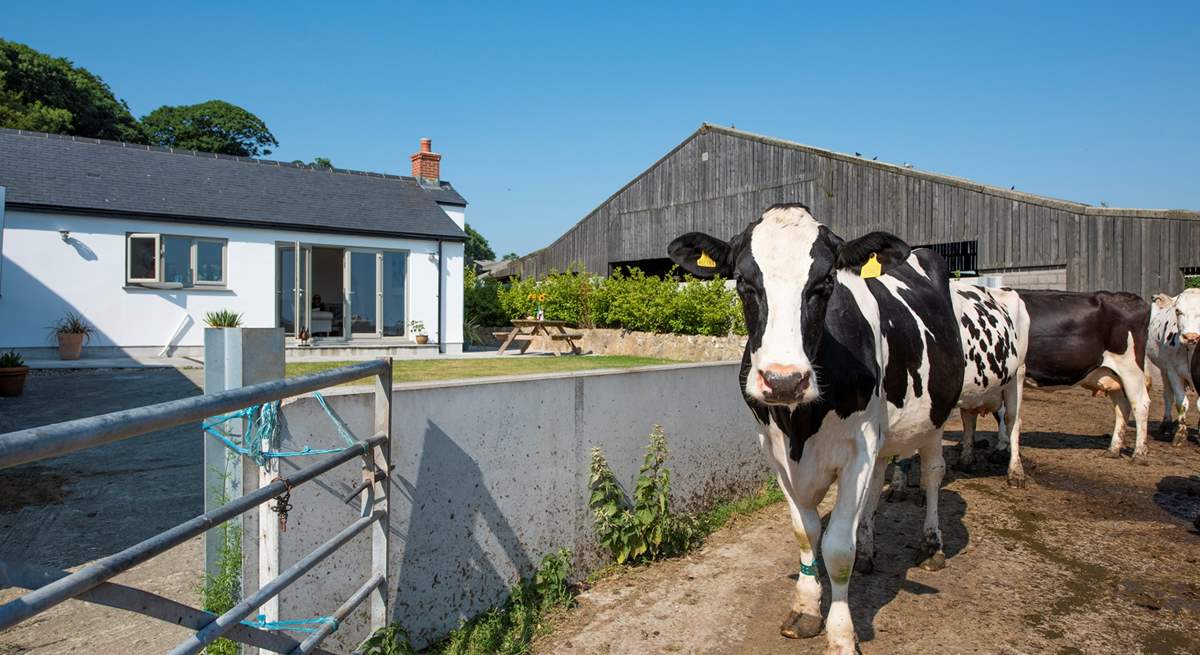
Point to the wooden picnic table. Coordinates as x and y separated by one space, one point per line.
525 329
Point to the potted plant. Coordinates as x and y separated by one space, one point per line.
223 319
12 374
417 328
72 332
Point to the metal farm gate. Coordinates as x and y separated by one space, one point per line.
49 587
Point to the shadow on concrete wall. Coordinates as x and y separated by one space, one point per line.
453 518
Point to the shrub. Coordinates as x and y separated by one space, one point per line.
481 301
641 529
72 323
568 297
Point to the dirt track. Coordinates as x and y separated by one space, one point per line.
1094 556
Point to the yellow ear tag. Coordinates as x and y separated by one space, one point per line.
706 261
872 268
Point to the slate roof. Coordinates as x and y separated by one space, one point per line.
63 173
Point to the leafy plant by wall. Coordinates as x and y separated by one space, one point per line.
642 528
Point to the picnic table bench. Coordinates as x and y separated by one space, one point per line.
525 329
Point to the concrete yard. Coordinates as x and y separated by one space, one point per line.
67 511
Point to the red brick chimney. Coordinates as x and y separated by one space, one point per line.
427 164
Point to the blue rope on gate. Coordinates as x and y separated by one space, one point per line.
293 625
264 426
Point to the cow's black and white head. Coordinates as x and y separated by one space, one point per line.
786 266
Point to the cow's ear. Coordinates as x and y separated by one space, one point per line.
872 254
701 255
1163 301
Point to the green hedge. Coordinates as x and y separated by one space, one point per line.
632 301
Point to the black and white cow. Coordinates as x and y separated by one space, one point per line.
1174 333
995 337
853 356
1095 340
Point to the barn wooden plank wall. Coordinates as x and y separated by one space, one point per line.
719 179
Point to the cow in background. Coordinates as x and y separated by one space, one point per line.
1095 340
995 336
852 357
1174 333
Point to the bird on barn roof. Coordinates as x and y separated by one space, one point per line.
858 154
1012 188
875 158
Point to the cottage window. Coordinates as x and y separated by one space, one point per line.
174 261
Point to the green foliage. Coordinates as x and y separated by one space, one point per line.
72 323
716 518
1191 282
481 301
223 318
477 247
641 529
11 359
505 630
224 590
511 257
213 126
388 640
630 301
317 162
50 94
416 327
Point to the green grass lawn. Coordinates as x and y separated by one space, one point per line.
418 370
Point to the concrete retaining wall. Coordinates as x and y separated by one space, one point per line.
490 475
1050 278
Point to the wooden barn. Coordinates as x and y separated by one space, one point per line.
720 178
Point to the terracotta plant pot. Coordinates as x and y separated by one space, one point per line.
422 338
12 380
70 345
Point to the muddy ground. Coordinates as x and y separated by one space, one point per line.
1094 556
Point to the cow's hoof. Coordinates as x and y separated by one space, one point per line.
966 464
1166 427
897 495
935 562
1016 480
998 456
1111 454
801 626
864 563
1141 459
1181 436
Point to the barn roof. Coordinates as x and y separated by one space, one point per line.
63 173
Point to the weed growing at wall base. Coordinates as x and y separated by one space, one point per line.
641 529
223 590
505 630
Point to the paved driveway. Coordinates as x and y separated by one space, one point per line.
72 509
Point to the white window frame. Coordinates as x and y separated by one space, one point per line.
224 243
129 278
193 256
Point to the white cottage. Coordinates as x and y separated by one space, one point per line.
143 241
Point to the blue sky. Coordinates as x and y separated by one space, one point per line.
541 111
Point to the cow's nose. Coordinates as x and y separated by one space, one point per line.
1191 337
783 383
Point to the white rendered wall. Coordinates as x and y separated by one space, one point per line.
45 277
457 213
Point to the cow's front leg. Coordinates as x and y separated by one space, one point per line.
1168 420
966 458
1175 384
933 468
838 545
804 620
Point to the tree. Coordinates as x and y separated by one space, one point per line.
50 94
477 247
317 162
511 257
213 126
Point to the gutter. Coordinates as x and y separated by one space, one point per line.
441 301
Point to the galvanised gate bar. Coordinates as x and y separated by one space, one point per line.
49 587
